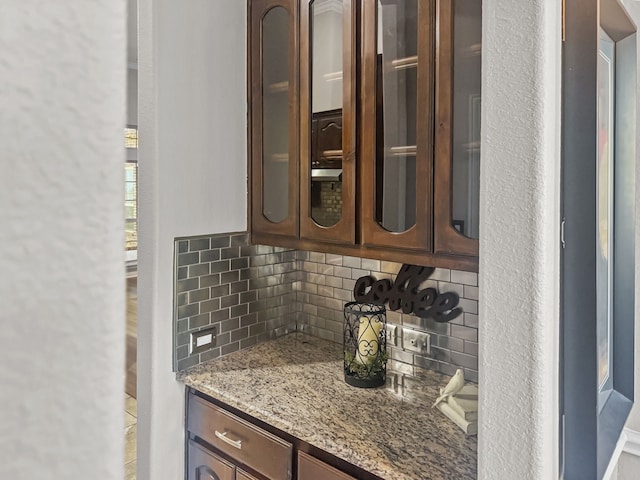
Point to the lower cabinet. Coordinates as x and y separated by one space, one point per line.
223 446
310 468
205 465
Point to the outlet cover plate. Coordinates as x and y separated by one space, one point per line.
203 340
416 341
392 335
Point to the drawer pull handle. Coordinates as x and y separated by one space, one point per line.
234 443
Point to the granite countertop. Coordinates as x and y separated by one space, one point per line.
296 383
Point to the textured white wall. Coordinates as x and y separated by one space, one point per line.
62 97
519 251
193 162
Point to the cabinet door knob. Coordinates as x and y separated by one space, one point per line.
234 443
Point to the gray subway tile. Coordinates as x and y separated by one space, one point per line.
248 296
231 252
198 269
471 348
470 292
344 272
220 315
440 354
223 338
373 265
441 274
188 259
257 329
466 278
241 286
199 321
239 263
230 348
468 306
210 305
188 362
465 333
451 287
219 291
317 257
228 277
229 300
183 272
352 262
221 266
197 244
210 354
447 368
471 375
248 342
182 352
221 241
471 320
188 310
182 325
463 360
240 334
183 246
239 310
198 295
210 255
182 299
229 325
210 280
332 259
249 319
186 285
239 240
450 343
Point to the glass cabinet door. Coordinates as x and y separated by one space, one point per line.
274 96
397 123
457 142
327 119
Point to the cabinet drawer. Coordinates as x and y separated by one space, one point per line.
242 441
310 468
204 465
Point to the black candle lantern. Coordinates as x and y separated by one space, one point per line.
365 345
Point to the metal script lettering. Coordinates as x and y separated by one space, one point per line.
404 294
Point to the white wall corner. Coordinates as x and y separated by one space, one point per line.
519 240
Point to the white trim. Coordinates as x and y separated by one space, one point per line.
629 442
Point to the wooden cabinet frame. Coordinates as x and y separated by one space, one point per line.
258 9
372 233
345 230
447 239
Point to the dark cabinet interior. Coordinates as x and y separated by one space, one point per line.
375 119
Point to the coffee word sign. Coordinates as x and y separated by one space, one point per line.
404 294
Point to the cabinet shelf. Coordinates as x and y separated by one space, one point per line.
278 157
404 63
277 87
402 151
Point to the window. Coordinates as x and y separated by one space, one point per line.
131 191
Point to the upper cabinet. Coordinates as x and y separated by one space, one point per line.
365 127
274 101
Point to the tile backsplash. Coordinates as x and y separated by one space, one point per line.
254 292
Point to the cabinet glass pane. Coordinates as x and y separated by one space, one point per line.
467 41
326 18
275 114
396 85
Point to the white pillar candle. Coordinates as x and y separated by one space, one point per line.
368 339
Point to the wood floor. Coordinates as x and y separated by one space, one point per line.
132 337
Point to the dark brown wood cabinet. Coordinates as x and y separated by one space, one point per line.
310 468
226 445
382 129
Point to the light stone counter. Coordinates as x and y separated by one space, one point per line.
296 383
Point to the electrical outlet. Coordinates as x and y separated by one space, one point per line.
392 338
416 341
203 340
